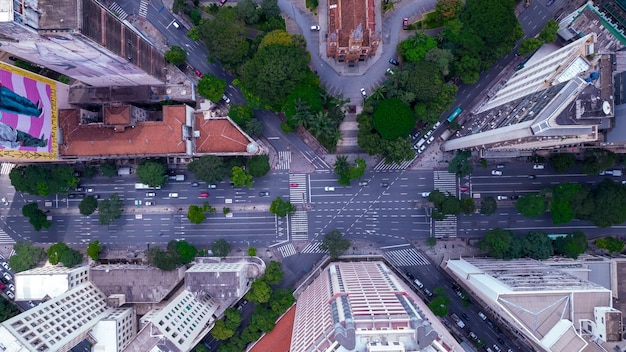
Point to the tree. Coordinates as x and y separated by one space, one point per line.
36 216
88 205
253 127
537 245
548 33
531 205
497 242
186 251
451 205
43 180
232 318
196 214
108 169
468 206
393 119
225 38
561 205
263 319
211 87
151 173
94 249
282 208
273 275
60 252
415 47
562 162
529 45
110 209
460 164
26 256
431 241
175 55
258 166
277 37
241 114
195 16
439 305
209 168
596 160
281 300
166 260
260 292
335 244
7 309
442 58
269 8
609 205
571 245
611 244
220 248
488 206
448 9
342 169
252 251
247 11
240 177
220 331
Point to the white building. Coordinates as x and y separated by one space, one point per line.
115 331
48 281
555 311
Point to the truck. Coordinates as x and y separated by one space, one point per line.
177 178
123 171
457 320
145 186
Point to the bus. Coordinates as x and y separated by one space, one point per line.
144 186
454 114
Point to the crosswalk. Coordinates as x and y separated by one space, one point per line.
287 250
445 182
381 166
406 257
313 247
119 11
143 8
4 238
299 225
297 194
284 160
5 168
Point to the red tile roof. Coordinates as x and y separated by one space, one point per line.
117 115
219 135
279 339
146 138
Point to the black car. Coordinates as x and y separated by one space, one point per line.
501 340
80 189
393 61
384 184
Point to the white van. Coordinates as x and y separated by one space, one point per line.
315 28
421 142
418 283
175 24
329 189
173 195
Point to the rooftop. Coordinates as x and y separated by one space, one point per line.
220 135
279 339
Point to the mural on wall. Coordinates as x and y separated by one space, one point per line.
28 115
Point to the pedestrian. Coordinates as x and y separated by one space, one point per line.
17 104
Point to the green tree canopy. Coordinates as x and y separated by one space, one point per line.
612 244
273 275
241 114
335 244
497 242
531 205
561 205
110 209
281 300
468 206
196 214
151 173
220 331
60 252
185 250
36 216
211 87
548 33
240 177
572 245
108 169
270 9
281 207
225 37
88 205
596 160
562 162
439 305
529 46
209 168
43 180
304 95
232 318
220 248
460 164
247 11
448 9
442 58
94 249
26 256
259 165
175 55
393 119
488 206
415 47
610 204
7 309
260 292
263 319
537 245
166 260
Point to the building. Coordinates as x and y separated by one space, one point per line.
561 97
552 309
48 282
223 281
352 32
364 306
82 40
63 321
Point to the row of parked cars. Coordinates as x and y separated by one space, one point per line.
7 280
428 138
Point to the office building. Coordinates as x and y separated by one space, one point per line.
48 282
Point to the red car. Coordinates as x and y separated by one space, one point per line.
198 73
222 2
405 23
204 194
293 185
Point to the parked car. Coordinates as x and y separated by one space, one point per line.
31 304
222 2
79 189
315 28
405 23
90 190
6 265
496 172
149 203
226 99
363 93
393 61
150 194
11 287
293 185
7 276
390 71
198 73
482 315
425 194
532 177
11 295
427 292
431 139
204 194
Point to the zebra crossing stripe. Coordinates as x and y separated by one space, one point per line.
143 9
287 250
381 166
284 160
313 247
5 238
406 257
299 225
6 168
118 11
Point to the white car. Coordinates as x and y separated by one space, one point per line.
173 195
482 315
226 99
329 189
4 201
90 190
211 186
431 139
6 265
503 197
7 276
363 93
421 150
496 172
150 194
390 71
11 287
10 294
436 125
425 194
149 203
538 166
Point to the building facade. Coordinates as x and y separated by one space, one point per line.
48 281
352 32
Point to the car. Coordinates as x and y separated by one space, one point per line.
96 196
390 71
417 134
175 24
496 172
11 295
315 28
198 73
482 316
421 150
431 139
515 196
465 316
363 183
71 196
428 133
497 329
195 184
436 125
500 166
473 336
226 99
138 202
549 3
384 184
149 203
425 194
79 189
497 348
463 189
204 194
418 283
173 195
410 275
150 194
532 177
427 292
394 61
11 287
405 23
90 190
461 294
502 197
363 93
264 194
4 280
211 186
501 341
329 189
222 2
6 265
5 201
293 185
538 167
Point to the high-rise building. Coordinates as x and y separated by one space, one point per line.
364 306
80 39
48 281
